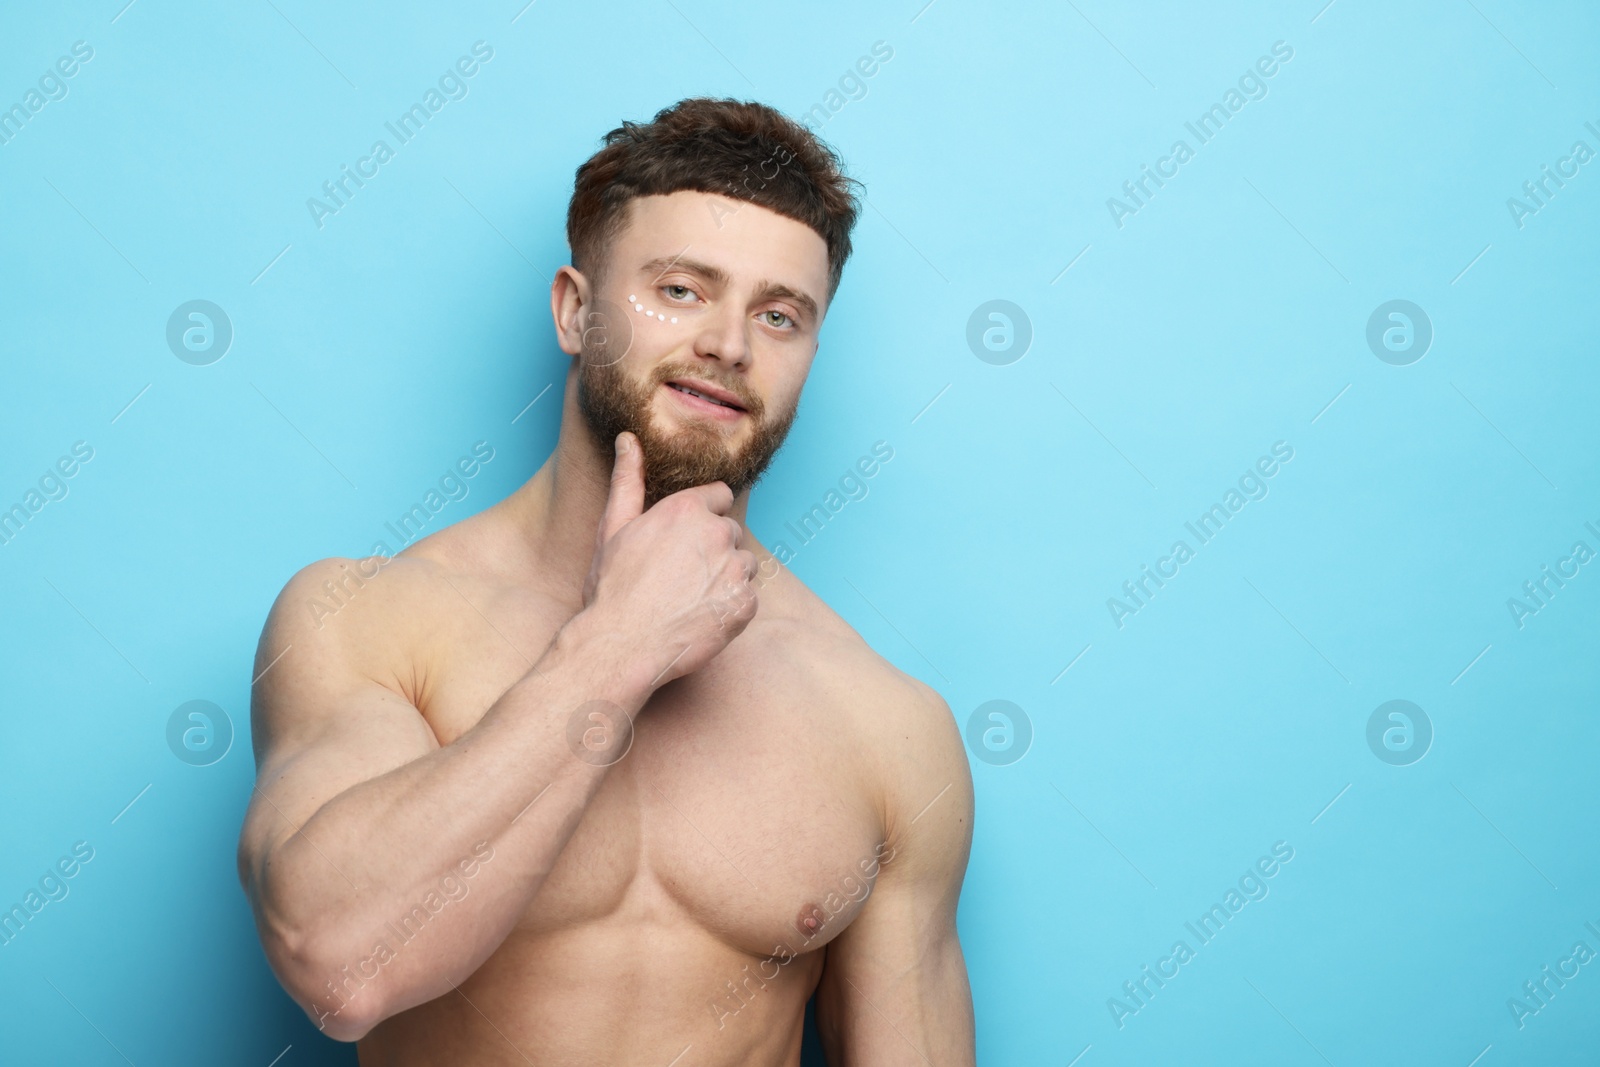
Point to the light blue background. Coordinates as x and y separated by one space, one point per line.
1227 314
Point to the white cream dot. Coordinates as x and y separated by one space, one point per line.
674 318
632 297
638 307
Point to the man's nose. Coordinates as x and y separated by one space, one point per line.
724 336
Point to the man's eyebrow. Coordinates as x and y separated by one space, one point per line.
766 290
661 264
779 291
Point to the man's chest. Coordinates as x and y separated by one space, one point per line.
743 805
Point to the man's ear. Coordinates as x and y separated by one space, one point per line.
570 297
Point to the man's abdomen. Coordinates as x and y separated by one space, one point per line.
639 987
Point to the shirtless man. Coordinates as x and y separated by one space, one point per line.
590 778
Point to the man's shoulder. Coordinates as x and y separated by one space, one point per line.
826 639
355 588
904 731
362 614
899 721
384 592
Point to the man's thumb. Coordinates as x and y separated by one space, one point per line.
626 500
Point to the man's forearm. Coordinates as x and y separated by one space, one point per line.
513 787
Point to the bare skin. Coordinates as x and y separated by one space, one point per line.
459 852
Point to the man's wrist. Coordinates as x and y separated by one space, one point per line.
621 670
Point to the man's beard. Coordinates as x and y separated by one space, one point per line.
693 454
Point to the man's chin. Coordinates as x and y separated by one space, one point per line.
672 465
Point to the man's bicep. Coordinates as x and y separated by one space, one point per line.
320 722
894 986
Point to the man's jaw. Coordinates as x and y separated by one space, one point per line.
686 441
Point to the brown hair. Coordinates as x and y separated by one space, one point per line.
717 146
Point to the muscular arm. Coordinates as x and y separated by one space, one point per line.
359 818
362 831
894 986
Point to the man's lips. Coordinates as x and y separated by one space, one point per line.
706 389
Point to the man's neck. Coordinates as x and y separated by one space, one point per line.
558 510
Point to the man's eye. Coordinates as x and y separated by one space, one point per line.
677 292
780 318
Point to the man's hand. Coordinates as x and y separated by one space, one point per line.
673 579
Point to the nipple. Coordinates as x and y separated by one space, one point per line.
810 921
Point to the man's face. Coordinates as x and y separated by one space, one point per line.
720 296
